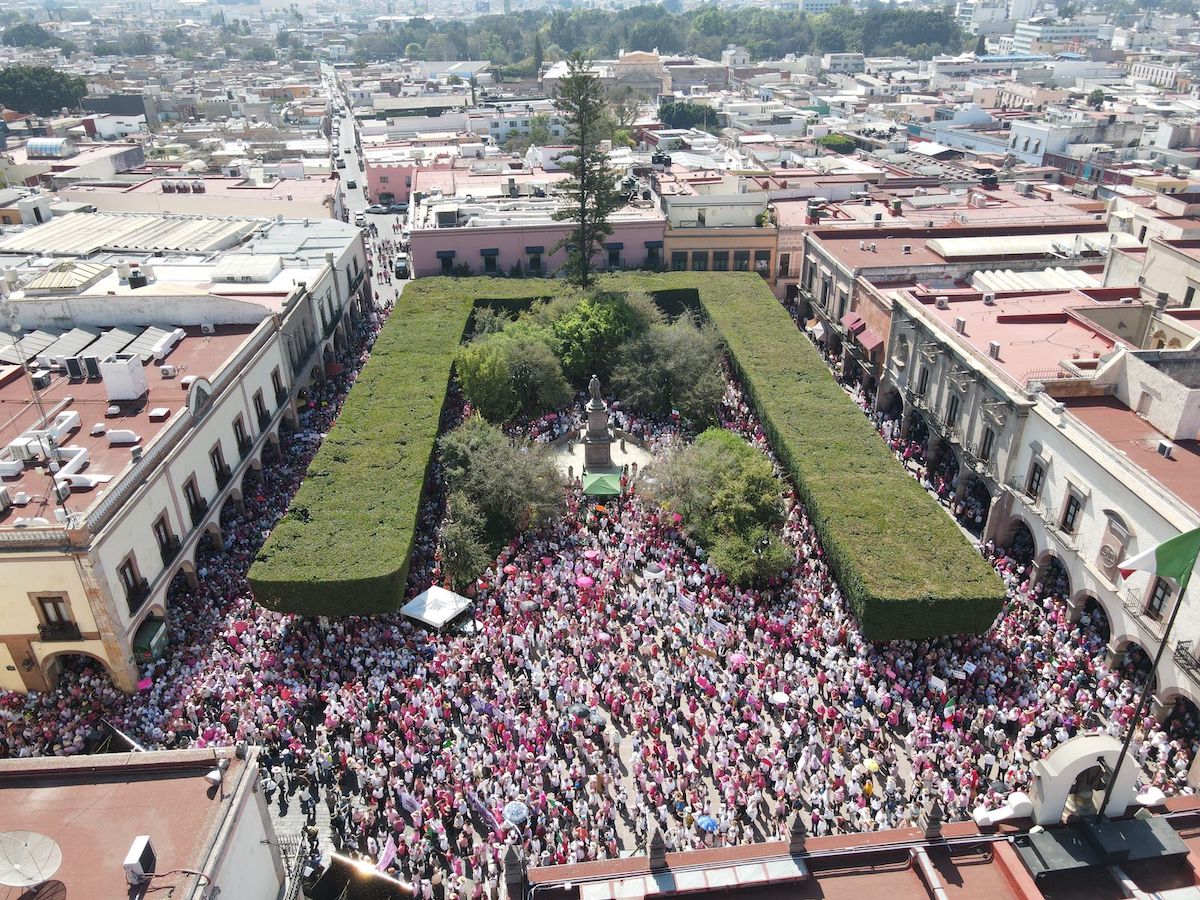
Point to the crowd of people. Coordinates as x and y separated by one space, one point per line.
609 682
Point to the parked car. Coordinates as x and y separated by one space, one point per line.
402 268
377 209
359 219
352 184
398 208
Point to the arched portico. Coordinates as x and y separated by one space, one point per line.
56 663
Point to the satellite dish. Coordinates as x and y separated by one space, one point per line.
27 858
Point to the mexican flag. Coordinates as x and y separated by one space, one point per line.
1172 559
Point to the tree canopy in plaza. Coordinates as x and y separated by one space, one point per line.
671 367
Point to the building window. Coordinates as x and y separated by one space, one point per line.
54 609
762 261
162 532
700 261
720 260
1033 484
489 265
923 382
128 574
447 265
952 410
535 262
191 494
679 260
1160 594
240 436
785 264
652 260
383 179
985 446
1189 295
1070 516
614 258
217 457
741 260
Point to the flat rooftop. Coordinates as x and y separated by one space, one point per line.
1036 331
196 354
1138 440
280 189
93 807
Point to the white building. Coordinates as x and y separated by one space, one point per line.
139 435
1034 36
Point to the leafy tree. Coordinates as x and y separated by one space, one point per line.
729 499
139 44
454 80
751 558
488 320
509 374
464 550
27 34
539 53
588 337
591 185
261 53
40 89
683 114
626 107
981 46
838 143
1096 98
671 367
106 48
414 51
513 487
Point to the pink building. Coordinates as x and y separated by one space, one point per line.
497 244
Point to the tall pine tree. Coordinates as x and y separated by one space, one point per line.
592 186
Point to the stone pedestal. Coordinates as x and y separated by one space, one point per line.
598 438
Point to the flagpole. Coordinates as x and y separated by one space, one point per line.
1145 696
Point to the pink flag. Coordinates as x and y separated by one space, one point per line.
389 854
145 684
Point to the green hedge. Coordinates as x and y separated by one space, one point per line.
904 565
343 548
344 545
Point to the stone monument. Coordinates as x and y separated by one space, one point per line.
598 438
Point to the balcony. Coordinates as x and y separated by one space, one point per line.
264 418
197 510
223 474
59 631
281 394
244 444
1185 658
137 594
169 549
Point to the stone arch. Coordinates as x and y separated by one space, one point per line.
888 401
53 664
184 579
1055 776
1181 701
1127 654
212 537
1018 541
272 451
975 503
1085 603
156 610
1053 574
233 507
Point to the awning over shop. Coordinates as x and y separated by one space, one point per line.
816 329
602 484
870 340
853 322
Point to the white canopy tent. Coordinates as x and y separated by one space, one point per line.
435 606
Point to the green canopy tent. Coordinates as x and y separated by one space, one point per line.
602 484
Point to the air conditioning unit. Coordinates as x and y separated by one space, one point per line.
24 449
140 860
1165 449
942 302
41 381
906 249
62 489
994 349
5 499
960 325
208 328
989 299
168 371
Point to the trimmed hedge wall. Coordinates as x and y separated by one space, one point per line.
343 548
904 565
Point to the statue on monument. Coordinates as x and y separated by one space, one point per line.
594 388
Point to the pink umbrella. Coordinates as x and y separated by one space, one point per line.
737 660
591 555
584 581
676 518
239 626
510 569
